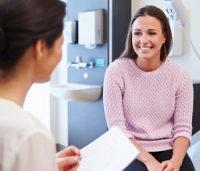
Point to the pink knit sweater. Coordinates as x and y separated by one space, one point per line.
151 107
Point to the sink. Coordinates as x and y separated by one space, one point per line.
76 92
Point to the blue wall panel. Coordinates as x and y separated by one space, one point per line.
87 119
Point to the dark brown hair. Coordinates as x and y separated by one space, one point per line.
23 22
156 12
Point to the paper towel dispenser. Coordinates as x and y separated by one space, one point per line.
90 28
71 31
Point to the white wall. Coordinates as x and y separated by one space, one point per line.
189 60
37 102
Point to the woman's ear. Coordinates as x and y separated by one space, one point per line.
40 49
164 40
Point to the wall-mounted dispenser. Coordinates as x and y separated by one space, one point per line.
71 31
90 28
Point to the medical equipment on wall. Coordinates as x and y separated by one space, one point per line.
177 15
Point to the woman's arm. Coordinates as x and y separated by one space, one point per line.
113 92
182 126
180 147
145 157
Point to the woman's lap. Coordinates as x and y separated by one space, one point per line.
136 165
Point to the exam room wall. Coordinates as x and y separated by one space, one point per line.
189 60
87 119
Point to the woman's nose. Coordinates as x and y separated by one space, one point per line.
144 38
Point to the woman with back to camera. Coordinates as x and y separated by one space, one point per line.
150 97
30 48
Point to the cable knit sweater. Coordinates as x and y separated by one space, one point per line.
154 107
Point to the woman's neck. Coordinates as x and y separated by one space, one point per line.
14 90
148 65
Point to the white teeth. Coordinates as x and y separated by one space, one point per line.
145 48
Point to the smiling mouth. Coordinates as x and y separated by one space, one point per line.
145 49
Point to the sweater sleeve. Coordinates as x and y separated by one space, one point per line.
184 109
113 99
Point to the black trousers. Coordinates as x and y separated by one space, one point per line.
136 165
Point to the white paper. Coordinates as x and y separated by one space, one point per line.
112 151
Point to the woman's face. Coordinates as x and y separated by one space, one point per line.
147 37
53 57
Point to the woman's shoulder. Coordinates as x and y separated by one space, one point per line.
176 70
19 130
17 124
120 64
174 66
120 61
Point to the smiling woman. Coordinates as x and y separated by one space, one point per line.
150 97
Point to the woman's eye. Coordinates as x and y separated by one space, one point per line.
151 33
136 33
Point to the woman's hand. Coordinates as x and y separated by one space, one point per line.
68 159
171 165
154 165
145 157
